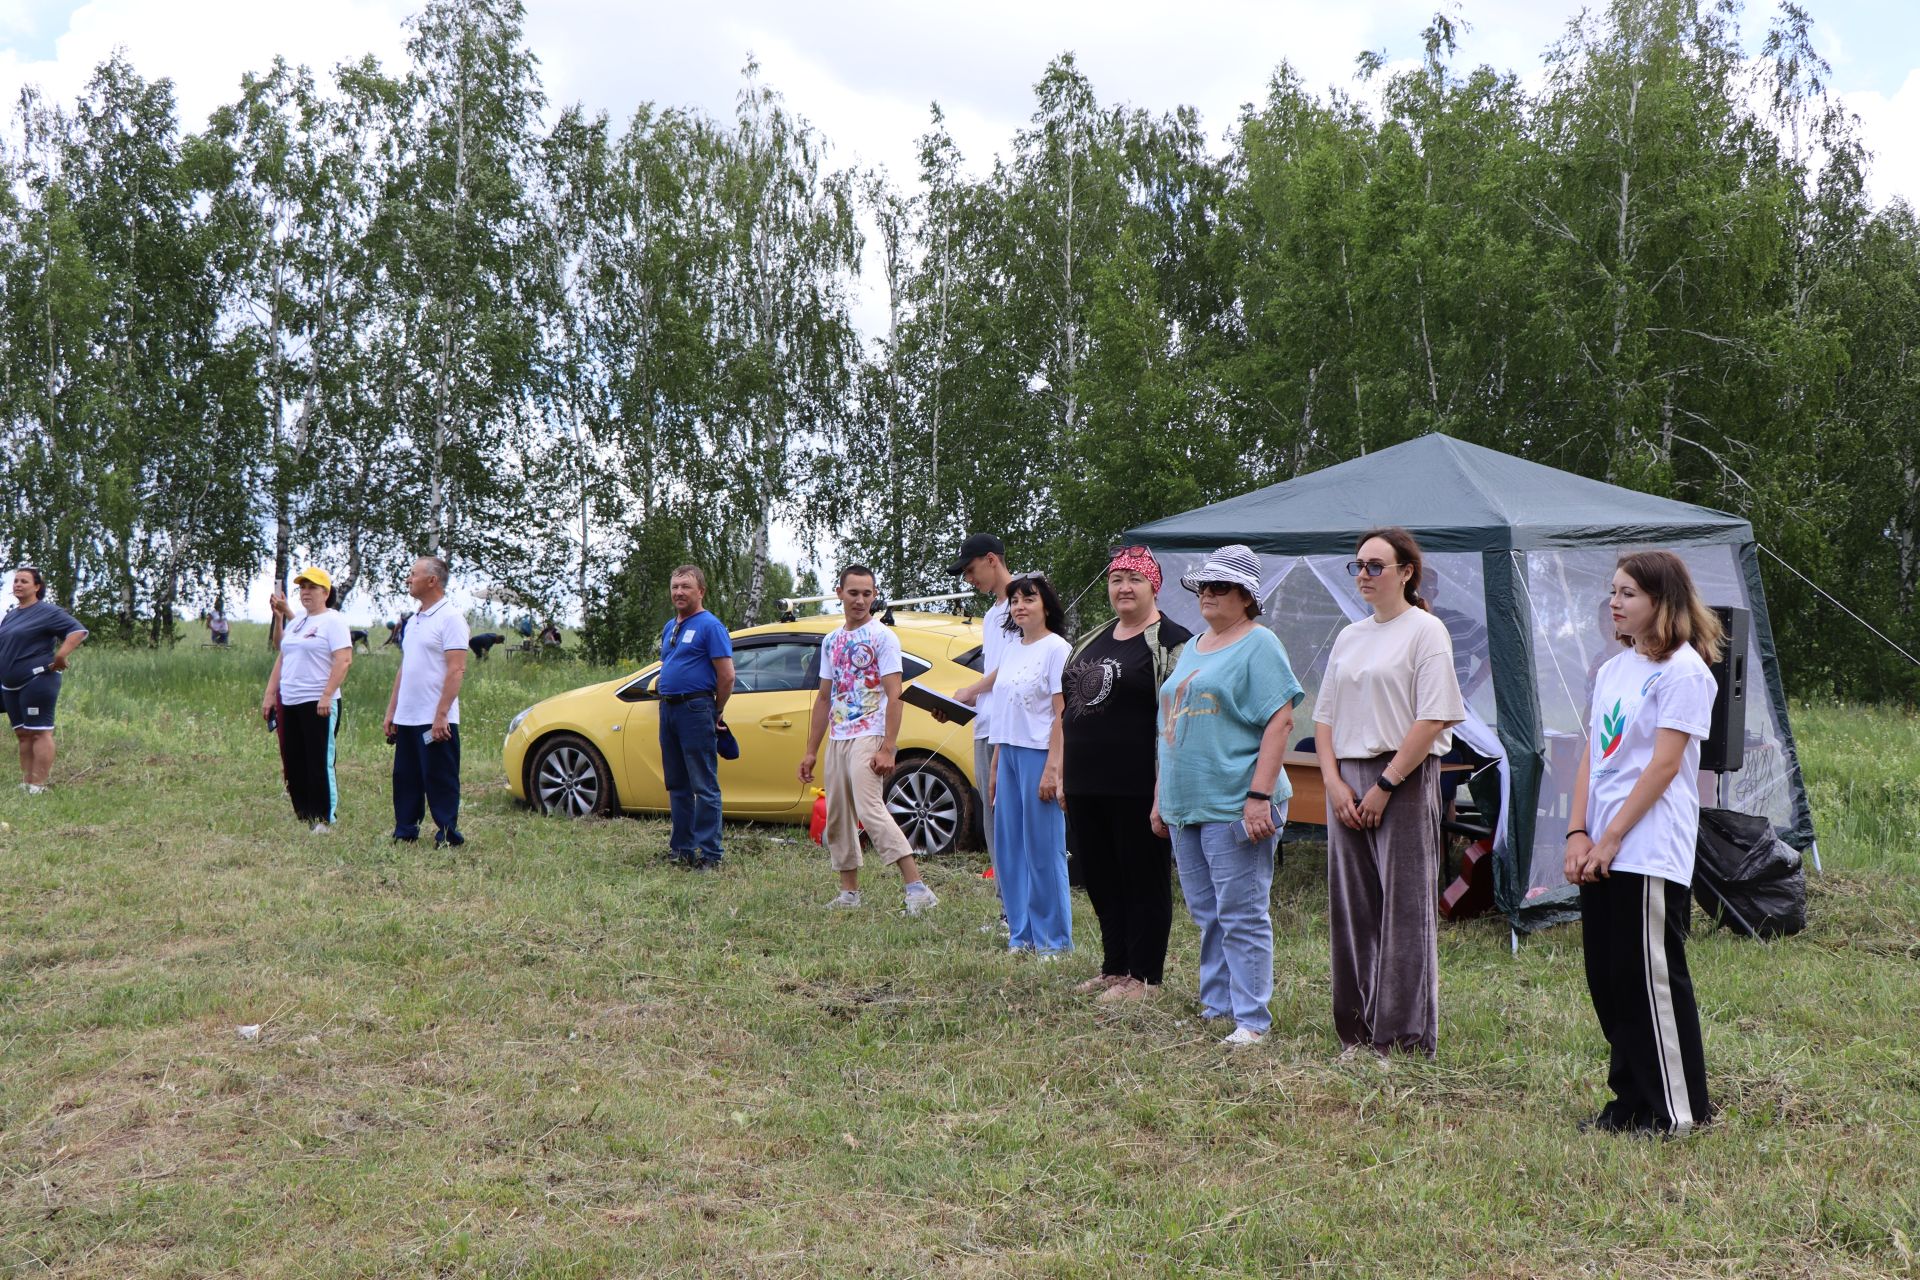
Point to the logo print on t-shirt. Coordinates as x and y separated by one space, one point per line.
1612 726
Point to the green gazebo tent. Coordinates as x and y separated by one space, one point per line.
1519 557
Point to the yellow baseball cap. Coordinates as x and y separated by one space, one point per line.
318 577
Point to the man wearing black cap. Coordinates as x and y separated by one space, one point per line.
983 563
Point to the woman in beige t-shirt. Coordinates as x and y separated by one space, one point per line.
1382 721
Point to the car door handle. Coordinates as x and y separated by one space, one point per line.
776 724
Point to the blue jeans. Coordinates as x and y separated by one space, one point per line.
1030 855
426 775
690 762
1228 884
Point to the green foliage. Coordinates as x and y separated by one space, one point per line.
395 311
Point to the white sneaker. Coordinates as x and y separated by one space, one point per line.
33 788
847 898
1243 1036
920 898
321 828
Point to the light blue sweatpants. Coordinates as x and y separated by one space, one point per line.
1228 885
1030 855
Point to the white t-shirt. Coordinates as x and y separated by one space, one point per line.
994 638
424 646
854 664
1632 700
1029 677
1383 676
307 646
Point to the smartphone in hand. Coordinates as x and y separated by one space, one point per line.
1240 827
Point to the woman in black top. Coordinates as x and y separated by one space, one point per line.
1112 687
36 636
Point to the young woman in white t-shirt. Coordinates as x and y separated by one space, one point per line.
1630 844
302 701
1029 814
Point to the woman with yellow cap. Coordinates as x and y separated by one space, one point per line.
302 701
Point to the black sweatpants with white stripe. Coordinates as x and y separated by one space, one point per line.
1634 934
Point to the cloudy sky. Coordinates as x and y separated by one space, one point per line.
866 71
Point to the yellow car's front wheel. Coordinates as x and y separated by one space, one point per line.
569 778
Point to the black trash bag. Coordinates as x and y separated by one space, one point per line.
1747 878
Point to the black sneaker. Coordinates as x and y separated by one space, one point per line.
1614 1118
681 860
705 864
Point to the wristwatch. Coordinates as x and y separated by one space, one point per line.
1259 795
1386 786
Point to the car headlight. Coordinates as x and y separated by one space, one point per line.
514 724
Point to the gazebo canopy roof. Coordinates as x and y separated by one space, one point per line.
1453 496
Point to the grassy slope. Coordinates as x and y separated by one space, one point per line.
550 1056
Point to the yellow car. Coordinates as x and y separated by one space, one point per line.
596 750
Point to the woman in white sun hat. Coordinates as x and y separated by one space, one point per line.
1225 716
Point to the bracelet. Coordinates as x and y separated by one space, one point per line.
1259 795
1578 831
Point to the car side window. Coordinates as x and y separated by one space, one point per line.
912 667
781 667
973 659
639 690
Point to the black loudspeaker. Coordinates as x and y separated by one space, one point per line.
1725 749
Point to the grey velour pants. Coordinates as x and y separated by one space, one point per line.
1382 888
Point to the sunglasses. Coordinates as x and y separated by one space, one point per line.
1372 568
1217 588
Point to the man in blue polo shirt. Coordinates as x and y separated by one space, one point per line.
696 679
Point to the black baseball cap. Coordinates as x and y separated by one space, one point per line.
977 545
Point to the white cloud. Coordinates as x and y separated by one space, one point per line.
204 46
1887 124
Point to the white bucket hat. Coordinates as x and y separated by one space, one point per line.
1235 564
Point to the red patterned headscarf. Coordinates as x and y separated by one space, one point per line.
1141 561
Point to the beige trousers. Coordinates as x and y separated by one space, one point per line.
856 797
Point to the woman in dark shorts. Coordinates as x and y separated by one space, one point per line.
36 638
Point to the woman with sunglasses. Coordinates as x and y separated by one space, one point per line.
1111 690
1382 721
1225 714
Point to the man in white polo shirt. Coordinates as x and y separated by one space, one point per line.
423 715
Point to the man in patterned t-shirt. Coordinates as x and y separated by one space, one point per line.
858 710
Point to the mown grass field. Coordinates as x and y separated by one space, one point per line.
548 1055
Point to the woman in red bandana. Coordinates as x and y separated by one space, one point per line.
1111 687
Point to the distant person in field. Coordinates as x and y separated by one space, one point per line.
37 637
302 700
696 679
1631 835
217 626
423 714
858 711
